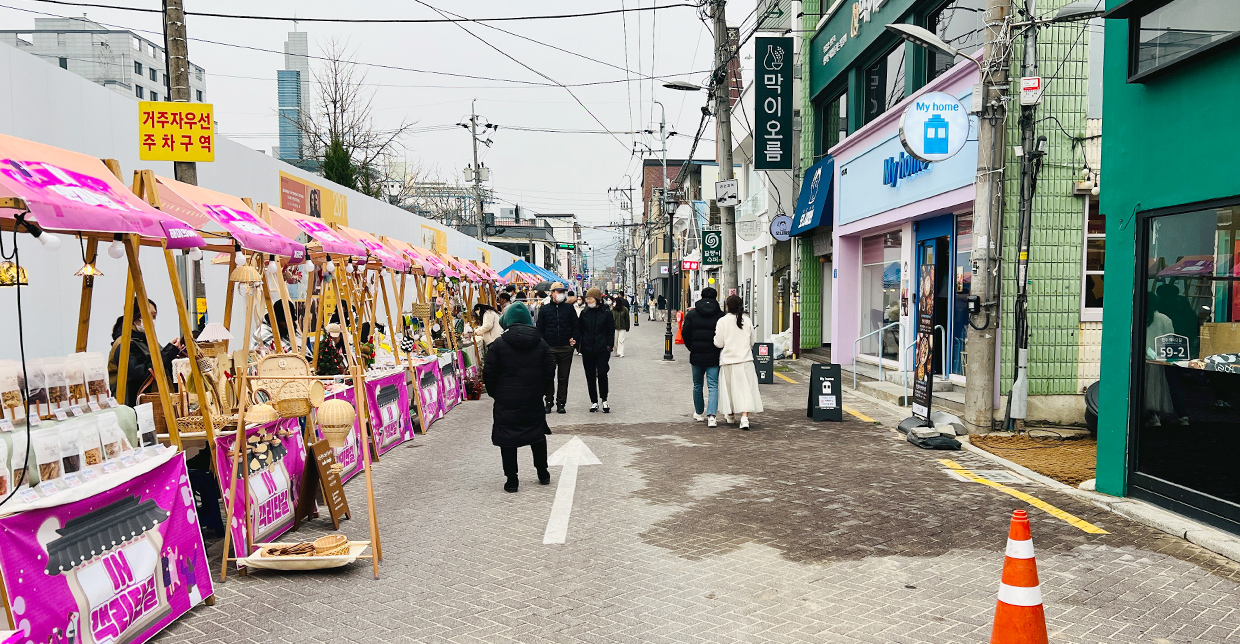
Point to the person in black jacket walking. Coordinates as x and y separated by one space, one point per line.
558 324
518 368
595 337
698 333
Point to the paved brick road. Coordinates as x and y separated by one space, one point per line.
793 532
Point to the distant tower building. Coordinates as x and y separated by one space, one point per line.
293 89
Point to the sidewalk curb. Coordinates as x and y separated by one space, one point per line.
1217 541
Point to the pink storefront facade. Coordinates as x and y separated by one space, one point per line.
892 213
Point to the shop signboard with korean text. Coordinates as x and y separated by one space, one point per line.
923 362
850 30
712 247
773 104
116 566
826 397
313 200
176 131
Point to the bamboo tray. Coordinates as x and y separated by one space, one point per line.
313 562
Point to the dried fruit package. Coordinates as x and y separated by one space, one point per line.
36 389
146 425
10 391
46 446
97 377
70 447
75 378
88 440
18 456
115 443
6 477
57 386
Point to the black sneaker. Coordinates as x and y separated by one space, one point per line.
559 409
511 484
547 407
593 407
544 477
606 409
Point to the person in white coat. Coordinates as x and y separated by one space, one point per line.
738 380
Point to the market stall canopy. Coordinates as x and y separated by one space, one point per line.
74 192
291 224
487 271
375 248
406 250
465 270
536 271
198 206
435 259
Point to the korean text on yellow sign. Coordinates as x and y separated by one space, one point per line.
176 131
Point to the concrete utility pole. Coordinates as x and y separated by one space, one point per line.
473 137
987 222
176 62
721 83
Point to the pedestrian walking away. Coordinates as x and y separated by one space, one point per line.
636 310
620 314
698 333
518 368
594 338
662 302
558 324
738 381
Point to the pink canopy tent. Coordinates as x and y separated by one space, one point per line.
432 257
466 269
407 251
489 272
389 258
291 224
73 192
198 206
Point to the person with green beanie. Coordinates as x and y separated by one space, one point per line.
516 315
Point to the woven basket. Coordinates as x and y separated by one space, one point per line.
336 418
332 544
291 398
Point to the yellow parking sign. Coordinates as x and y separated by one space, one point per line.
170 131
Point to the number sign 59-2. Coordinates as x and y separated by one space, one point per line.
1171 347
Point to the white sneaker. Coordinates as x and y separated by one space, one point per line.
711 422
727 418
744 422
698 417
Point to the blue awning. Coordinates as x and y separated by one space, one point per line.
815 203
526 267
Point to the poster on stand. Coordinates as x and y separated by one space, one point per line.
426 377
387 398
469 368
274 465
118 566
449 382
349 457
923 366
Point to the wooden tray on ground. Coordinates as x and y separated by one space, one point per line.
313 562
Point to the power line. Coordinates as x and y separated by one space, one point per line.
204 14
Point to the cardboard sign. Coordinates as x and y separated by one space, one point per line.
328 482
764 362
826 396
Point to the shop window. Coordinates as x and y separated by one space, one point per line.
959 23
1178 30
1095 264
832 124
884 83
880 294
1189 403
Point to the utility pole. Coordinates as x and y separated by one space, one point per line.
1032 153
987 225
721 84
670 245
473 137
176 61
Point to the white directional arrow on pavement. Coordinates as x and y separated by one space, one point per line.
572 455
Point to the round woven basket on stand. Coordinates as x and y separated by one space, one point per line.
336 419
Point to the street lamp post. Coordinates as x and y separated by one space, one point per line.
671 243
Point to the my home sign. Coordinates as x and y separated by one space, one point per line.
934 127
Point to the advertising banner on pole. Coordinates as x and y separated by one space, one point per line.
118 566
349 457
923 365
773 104
387 398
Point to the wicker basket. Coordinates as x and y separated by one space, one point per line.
332 544
291 398
336 418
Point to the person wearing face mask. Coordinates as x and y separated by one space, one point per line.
558 324
594 341
140 367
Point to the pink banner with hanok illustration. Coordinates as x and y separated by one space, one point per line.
198 206
426 380
69 191
449 382
291 224
119 566
349 457
388 401
375 248
273 466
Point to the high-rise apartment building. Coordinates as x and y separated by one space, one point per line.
119 60
293 91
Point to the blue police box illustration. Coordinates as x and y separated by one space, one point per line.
936 135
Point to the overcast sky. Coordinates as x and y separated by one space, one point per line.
547 172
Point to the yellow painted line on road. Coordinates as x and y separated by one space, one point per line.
785 377
1031 500
860 416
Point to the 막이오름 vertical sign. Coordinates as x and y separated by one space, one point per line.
773 104
170 131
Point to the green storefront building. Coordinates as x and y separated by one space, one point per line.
1169 427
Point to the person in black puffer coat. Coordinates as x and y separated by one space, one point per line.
517 369
698 333
595 337
557 322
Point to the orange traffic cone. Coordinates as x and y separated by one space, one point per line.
1019 618
680 324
